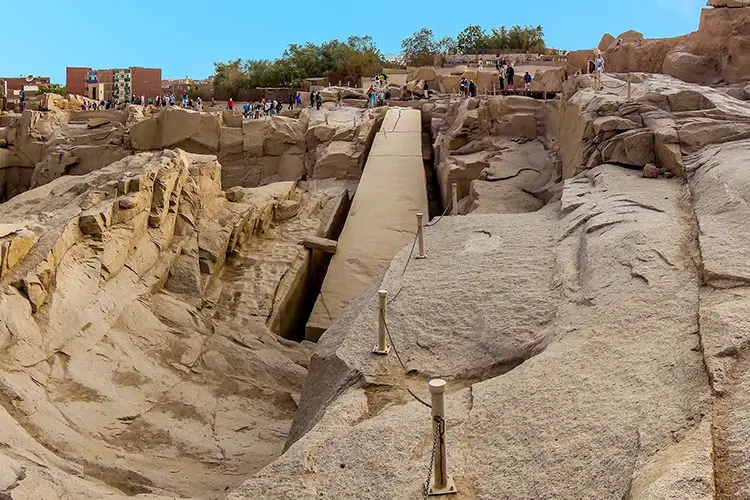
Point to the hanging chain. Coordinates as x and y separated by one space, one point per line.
432 457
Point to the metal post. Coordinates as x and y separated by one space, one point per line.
420 237
545 96
382 347
442 483
629 82
494 90
454 199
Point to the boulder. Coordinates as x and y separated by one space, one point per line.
634 147
606 41
650 171
728 3
337 159
630 36
691 67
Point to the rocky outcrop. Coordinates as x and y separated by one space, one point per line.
636 336
330 143
141 310
716 52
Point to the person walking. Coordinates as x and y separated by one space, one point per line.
291 102
318 100
312 98
527 81
299 100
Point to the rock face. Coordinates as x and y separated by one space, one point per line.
137 312
50 140
330 143
594 348
718 51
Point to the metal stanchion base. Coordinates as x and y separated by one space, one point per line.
421 256
384 351
449 489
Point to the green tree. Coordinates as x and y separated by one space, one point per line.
52 89
337 60
419 48
447 45
471 39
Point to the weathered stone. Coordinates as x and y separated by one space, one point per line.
650 171
322 244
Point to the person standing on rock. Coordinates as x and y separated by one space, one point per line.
600 64
318 100
501 78
230 103
527 81
312 98
510 73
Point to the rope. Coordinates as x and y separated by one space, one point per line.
401 361
430 224
323 301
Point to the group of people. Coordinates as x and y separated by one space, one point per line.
508 73
160 100
381 96
260 109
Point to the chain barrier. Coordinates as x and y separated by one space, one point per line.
436 437
612 86
440 422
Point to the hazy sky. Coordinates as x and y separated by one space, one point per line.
187 37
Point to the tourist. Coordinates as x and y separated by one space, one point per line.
143 100
426 90
279 107
509 74
312 98
199 103
619 42
600 64
230 103
274 105
299 100
501 77
472 88
387 97
292 100
318 100
638 42
371 97
246 110
527 81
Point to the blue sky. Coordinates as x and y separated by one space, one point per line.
187 37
